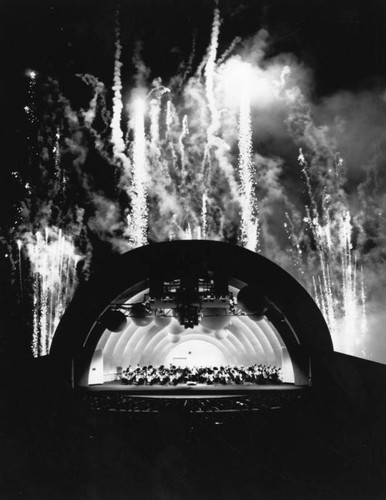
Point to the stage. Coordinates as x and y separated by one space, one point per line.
201 398
190 391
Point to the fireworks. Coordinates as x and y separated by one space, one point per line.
186 167
32 74
184 133
249 221
338 290
138 218
53 259
203 216
209 75
116 131
154 127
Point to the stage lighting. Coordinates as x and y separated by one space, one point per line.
174 338
257 317
188 315
252 300
221 334
162 321
115 321
139 316
176 328
215 318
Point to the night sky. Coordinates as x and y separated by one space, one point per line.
343 43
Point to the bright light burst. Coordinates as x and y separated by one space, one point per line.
338 290
53 260
31 74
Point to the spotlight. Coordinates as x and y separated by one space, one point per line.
221 334
115 321
176 328
162 321
252 300
173 338
139 315
257 317
215 318
188 315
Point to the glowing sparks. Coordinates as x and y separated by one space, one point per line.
32 74
249 220
204 222
139 215
154 122
184 133
98 88
295 248
337 289
53 260
19 244
116 130
169 117
229 50
189 233
363 326
155 98
210 68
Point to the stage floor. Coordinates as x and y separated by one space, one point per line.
201 398
188 391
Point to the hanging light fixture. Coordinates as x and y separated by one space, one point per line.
114 320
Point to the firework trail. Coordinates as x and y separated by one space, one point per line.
210 69
30 107
51 255
188 233
189 65
249 221
53 258
169 118
335 285
336 288
139 215
229 50
295 245
19 244
154 123
116 130
204 222
322 285
184 133
363 327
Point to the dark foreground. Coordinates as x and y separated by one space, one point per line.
322 446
